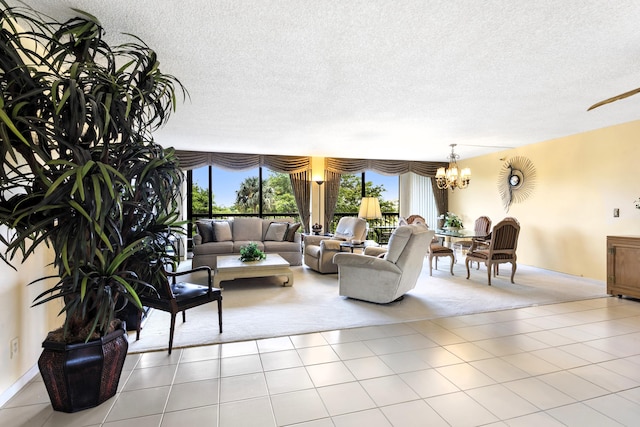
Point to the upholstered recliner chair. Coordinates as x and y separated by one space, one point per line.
385 278
319 250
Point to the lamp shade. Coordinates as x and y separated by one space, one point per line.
370 208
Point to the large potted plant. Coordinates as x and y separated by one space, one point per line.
82 174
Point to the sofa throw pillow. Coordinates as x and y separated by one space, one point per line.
221 231
290 236
276 231
248 229
205 230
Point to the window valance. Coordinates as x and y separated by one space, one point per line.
294 164
235 161
385 167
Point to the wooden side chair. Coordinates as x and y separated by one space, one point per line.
436 250
481 228
501 249
481 231
416 219
174 297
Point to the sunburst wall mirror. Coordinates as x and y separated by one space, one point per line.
516 180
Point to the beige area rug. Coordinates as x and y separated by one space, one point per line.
263 308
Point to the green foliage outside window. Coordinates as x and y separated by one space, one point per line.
278 196
350 195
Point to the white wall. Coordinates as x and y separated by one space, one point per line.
19 319
580 180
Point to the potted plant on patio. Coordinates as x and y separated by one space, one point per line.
82 174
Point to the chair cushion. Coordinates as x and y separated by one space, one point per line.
221 231
205 230
482 254
276 231
182 291
439 249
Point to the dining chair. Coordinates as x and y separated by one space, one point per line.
436 250
501 249
481 229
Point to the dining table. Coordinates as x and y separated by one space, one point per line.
449 237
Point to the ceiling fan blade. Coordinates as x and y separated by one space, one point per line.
615 98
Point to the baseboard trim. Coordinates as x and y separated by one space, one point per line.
18 385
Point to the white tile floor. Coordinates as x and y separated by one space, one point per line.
574 364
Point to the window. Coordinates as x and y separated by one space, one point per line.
258 191
277 194
385 187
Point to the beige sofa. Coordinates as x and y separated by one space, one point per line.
226 237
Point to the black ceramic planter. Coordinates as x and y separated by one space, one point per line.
82 376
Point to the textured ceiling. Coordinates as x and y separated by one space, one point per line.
383 79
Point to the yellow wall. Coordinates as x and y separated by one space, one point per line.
19 319
580 180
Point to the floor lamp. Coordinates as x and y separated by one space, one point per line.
370 209
317 227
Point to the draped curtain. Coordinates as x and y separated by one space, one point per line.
336 166
302 194
442 198
332 183
298 167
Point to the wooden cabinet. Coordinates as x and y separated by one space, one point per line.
623 265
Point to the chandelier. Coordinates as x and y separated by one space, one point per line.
452 177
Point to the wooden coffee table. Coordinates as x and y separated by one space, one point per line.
230 267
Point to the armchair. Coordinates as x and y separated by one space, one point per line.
319 250
385 278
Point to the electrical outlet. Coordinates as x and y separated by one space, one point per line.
15 346
616 212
